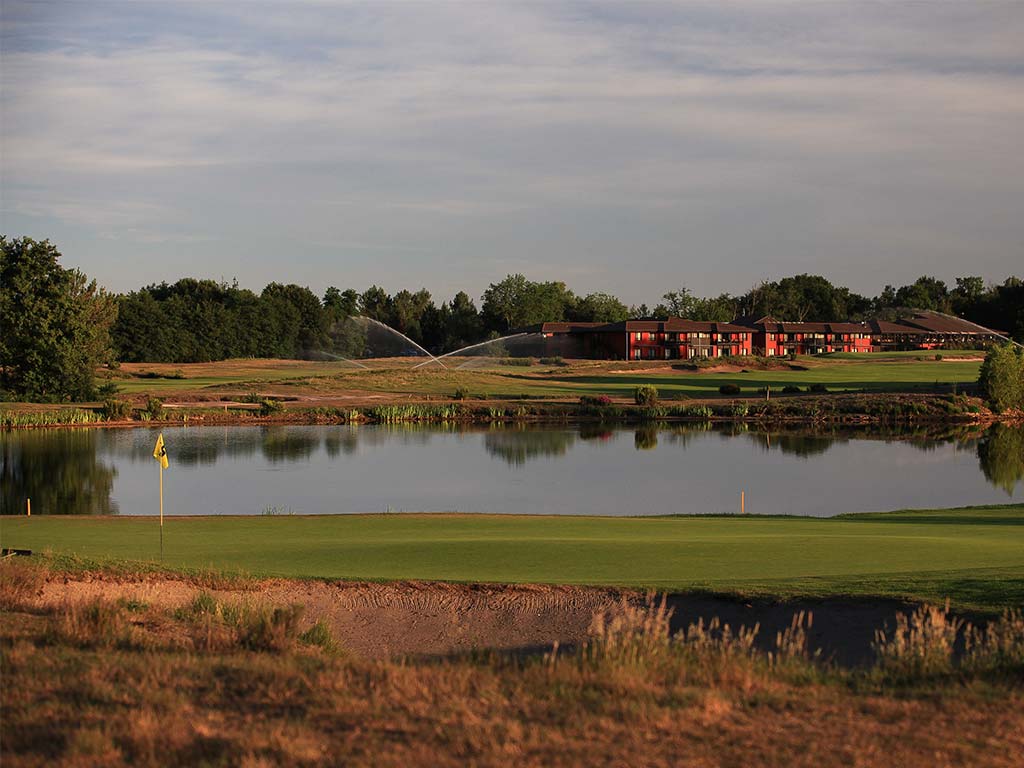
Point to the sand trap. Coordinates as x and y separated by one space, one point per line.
425 618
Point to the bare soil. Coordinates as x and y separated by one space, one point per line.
388 620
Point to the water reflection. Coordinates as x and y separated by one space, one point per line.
1001 453
77 471
58 470
519 444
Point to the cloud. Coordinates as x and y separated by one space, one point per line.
580 135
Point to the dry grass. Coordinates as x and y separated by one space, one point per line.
117 684
19 582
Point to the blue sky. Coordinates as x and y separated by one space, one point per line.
626 147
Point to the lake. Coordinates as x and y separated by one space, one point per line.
594 470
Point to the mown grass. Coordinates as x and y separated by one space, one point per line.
889 373
973 556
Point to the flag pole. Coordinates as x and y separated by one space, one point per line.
161 513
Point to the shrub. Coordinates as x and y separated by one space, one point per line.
96 624
1001 379
521 362
790 389
552 361
938 356
645 394
600 401
817 388
154 409
116 410
320 636
729 389
270 407
460 393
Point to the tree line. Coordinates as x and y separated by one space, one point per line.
58 325
202 320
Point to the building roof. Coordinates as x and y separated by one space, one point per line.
938 323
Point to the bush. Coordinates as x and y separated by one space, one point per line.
1002 378
598 400
938 356
270 407
645 394
791 389
154 409
552 361
522 362
729 389
116 410
817 388
460 393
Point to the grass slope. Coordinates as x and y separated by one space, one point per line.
581 377
974 556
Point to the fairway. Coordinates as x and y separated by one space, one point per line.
974 556
853 373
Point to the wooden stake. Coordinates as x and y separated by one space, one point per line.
28 507
743 502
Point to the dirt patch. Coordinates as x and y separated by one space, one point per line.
381 621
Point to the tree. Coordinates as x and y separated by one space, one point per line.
56 324
462 324
374 303
968 292
1001 378
925 293
516 302
599 308
680 303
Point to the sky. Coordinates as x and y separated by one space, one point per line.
625 147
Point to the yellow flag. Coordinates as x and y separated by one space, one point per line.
159 452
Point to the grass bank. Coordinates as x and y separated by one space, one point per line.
974 556
221 683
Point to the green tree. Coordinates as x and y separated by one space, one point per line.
462 324
599 308
56 324
1001 378
516 302
375 303
925 293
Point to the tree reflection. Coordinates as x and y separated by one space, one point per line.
339 440
289 443
1001 455
518 446
58 470
645 438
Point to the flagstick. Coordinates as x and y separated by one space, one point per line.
161 512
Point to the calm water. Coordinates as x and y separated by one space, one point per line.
556 470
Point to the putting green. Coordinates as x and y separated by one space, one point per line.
974 556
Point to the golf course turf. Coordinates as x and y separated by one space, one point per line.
974 556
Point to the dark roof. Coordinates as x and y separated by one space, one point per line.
937 323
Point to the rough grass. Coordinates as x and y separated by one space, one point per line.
974 556
634 695
889 373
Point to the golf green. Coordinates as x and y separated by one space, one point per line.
973 555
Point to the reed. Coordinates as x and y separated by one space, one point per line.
65 416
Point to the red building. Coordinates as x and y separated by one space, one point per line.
677 339
671 339
773 338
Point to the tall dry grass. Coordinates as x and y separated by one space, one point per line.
222 625
19 583
931 642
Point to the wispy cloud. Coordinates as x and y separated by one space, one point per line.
584 136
